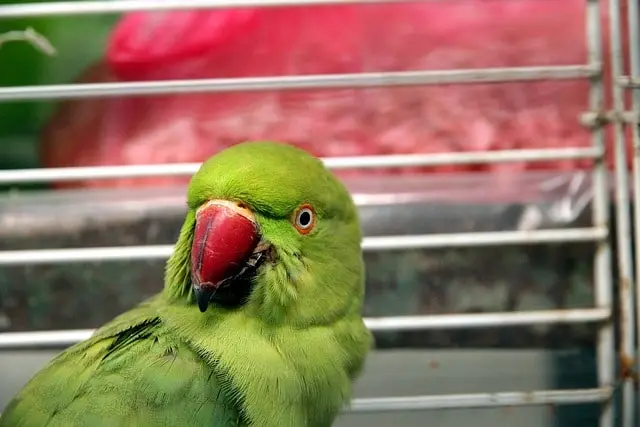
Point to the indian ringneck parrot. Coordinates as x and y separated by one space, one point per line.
259 322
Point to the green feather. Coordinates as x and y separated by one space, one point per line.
286 358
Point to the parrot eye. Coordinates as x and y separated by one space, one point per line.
304 219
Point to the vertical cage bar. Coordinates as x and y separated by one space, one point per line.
633 11
626 315
602 260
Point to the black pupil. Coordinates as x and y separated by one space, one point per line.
305 218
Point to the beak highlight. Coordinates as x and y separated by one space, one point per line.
225 236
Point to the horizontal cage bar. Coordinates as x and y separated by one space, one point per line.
484 320
121 6
378 243
65 338
492 238
353 162
630 82
324 81
595 119
481 400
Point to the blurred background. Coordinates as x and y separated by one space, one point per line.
432 119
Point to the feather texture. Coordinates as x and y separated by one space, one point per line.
286 357
132 372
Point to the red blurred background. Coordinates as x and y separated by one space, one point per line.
431 35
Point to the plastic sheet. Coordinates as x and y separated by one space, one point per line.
65 296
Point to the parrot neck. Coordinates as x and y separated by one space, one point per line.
308 372
177 281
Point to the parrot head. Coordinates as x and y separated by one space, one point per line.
269 230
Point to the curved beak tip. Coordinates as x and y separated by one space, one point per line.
203 296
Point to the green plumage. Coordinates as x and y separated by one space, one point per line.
285 358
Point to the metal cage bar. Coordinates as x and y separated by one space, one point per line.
246 84
602 261
355 162
599 233
481 400
626 319
61 339
633 14
71 8
381 243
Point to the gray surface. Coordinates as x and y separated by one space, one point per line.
397 373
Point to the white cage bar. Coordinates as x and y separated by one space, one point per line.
623 217
633 15
334 81
356 162
120 6
606 348
60 339
598 233
381 243
482 400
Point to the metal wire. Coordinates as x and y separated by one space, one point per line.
633 14
629 82
355 162
43 339
380 243
626 315
606 365
482 400
323 81
72 8
484 320
61 339
479 400
494 238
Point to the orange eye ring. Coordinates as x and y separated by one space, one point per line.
304 219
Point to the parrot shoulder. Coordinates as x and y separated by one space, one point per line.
130 372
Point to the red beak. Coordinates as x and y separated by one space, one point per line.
224 238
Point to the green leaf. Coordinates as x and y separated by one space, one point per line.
78 40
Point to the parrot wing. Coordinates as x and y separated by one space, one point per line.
131 372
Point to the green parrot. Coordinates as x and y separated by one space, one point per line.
259 322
